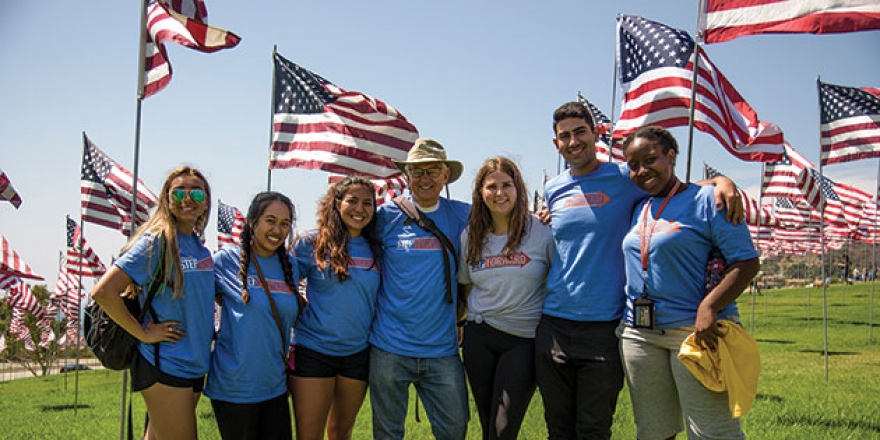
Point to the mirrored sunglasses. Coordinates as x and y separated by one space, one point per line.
197 195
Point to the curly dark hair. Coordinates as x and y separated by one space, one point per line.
331 241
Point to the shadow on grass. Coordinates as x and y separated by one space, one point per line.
774 341
829 423
770 398
838 321
65 407
830 353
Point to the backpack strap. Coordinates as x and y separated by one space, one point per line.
406 205
272 304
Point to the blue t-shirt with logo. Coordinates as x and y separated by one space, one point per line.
413 316
590 215
248 361
688 228
190 356
338 318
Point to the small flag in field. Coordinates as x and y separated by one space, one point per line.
81 258
181 26
656 64
230 224
20 297
67 293
7 192
724 20
106 191
790 177
850 123
12 265
317 125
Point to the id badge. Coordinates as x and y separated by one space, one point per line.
643 313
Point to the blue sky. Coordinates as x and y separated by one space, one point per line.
481 77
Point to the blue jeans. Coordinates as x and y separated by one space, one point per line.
439 382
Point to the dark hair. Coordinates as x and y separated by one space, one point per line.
573 110
480 218
258 206
331 242
655 134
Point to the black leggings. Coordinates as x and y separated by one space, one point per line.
269 419
501 371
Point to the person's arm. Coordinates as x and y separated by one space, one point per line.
735 279
107 294
726 194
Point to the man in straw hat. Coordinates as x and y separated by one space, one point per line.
414 338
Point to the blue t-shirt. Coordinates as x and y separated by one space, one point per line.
337 320
689 227
190 356
413 317
590 214
247 364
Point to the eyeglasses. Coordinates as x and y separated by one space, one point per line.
197 195
416 173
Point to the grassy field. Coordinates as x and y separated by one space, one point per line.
795 400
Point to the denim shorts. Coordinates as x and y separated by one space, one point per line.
311 363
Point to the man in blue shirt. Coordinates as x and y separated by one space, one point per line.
414 338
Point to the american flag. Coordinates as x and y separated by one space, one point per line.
753 215
181 23
834 208
386 189
790 178
81 258
2 342
18 327
7 192
607 150
791 213
106 191
12 265
317 125
47 336
656 65
20 297
67 293
725 20
230 224
850 123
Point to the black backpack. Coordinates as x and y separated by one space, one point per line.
114 347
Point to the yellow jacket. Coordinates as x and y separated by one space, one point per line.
732 367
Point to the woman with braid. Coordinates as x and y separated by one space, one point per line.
247 381
175 341
332 357
505 256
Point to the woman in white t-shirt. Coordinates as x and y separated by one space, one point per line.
505 255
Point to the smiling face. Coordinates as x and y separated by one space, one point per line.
499 193
652 169
356 209
271 229
187 210
426 181
576 142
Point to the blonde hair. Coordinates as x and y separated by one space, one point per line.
163 228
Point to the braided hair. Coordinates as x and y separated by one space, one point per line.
258 206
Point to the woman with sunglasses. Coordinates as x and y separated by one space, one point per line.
175 341
256 287
332 357
505 257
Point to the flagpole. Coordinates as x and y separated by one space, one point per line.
613 106
822 205
80 318
693 106
873 269
271 122
142 50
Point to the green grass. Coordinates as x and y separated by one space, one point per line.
795 401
